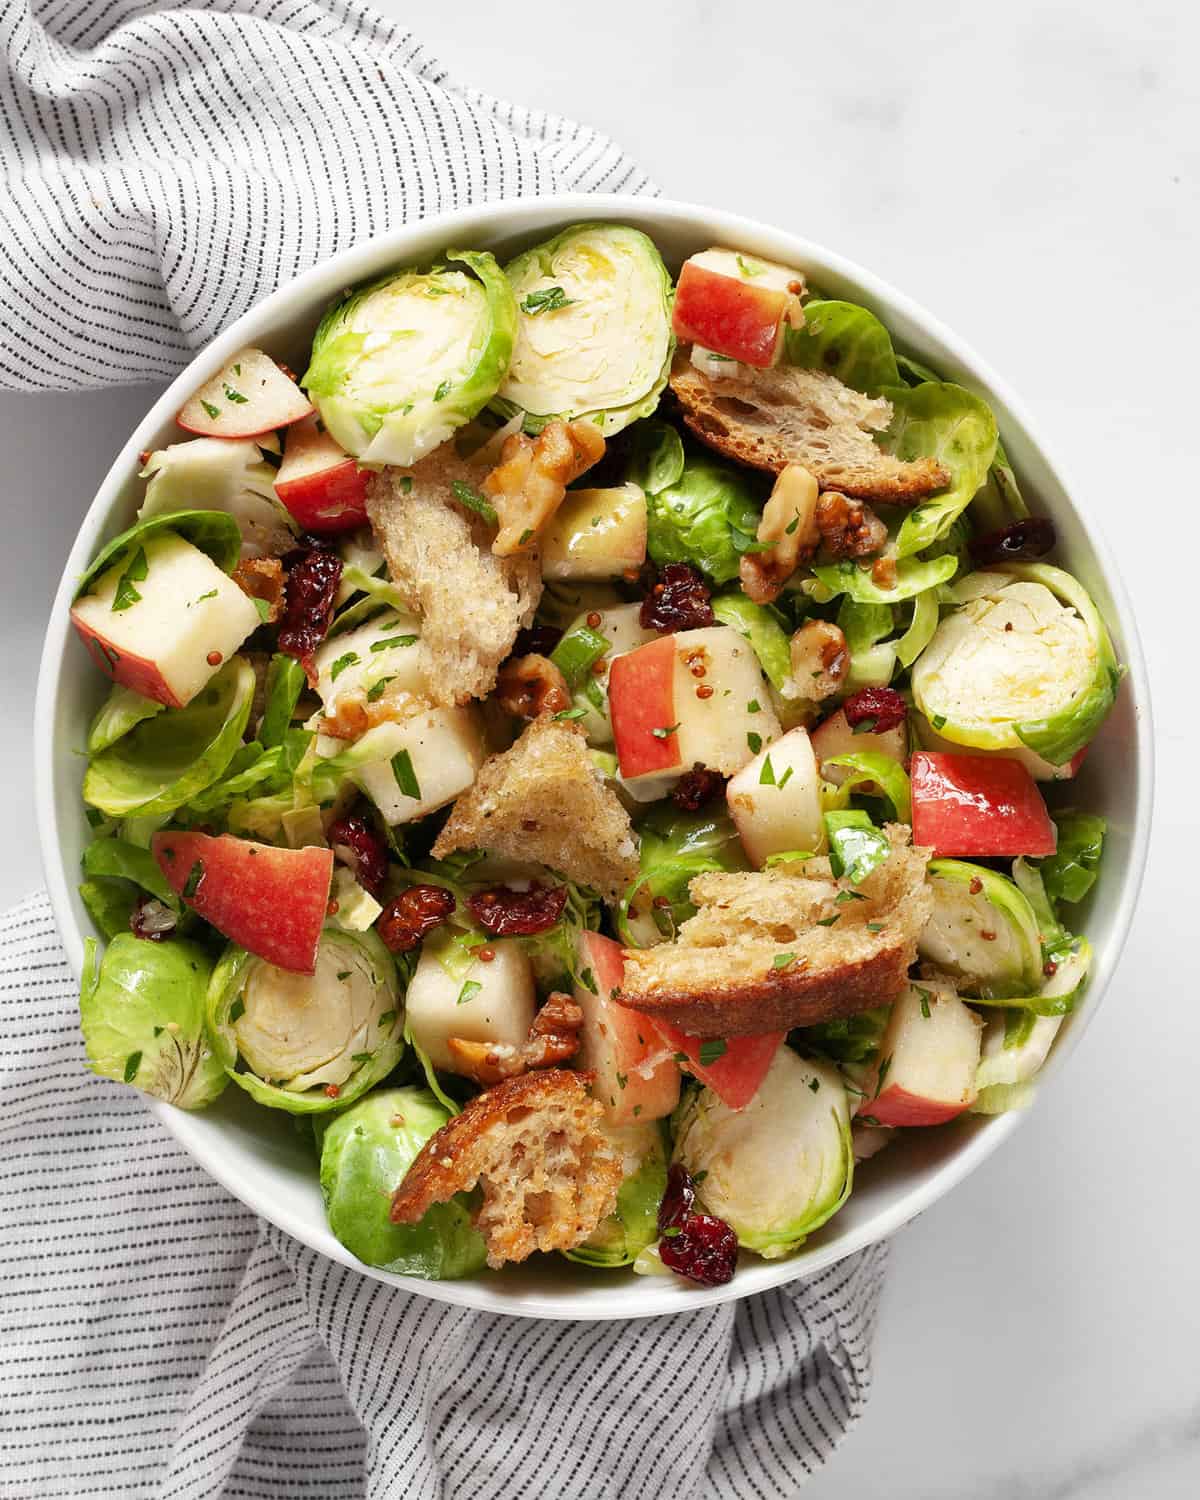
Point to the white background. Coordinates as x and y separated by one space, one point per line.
1032 177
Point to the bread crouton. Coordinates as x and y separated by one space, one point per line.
774 949
785 415
537 1148
543 800
439 554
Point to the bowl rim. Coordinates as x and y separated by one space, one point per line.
654 1297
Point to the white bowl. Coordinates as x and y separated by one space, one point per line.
256 1153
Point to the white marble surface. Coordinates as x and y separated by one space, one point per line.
1030 171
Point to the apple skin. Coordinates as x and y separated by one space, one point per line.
731 317
272 902
618 1044
934 1058
318 481
270 400
641 696
972 806
735 1076
135 672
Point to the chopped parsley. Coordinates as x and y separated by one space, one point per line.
235 396
394 640
843 896
664 731
343 973
210 410
237 1010
785 778
212 594
468 992
622 1080
473 500
136 571
349 660
925 999
406 484
406 777
442 391
828 921
748 267
588 980
790 528
875 926
549 299
132 1063
783 960
570 713
264 609
754 707
938 721
754 741
865 726
387 1018
360 1057
766 777
814 1084
711 1051
192 884
525 536
884 1065
377 689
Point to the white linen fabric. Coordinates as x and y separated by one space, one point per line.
166 166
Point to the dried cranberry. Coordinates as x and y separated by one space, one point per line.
1023 540
538 640
696 787
313 575
507 913
413 915
884 707
705 1250
678 1199
152 920
366 849
678 601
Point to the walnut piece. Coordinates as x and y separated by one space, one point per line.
789 528
262 578
528 484
848 528
553 1039
531 685
820 659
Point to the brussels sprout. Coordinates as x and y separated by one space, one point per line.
1070 872
402 362
709 517
165 761
1017 1043
913 576
1026 660
221 474
142 1014
307 1043
869 768
675 848
594 329
121 711
115 859
656 457
982 930
779 1168
921 628
365 1152
619 1239
942 421
109 903
762 629
847 341
1000 502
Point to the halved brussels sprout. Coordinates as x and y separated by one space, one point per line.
365 1152
308 1043
404 361
619 1239
221 474
1026 660
1016 1043
594 329
141 1010
779 1168
120 712
165 761
982 930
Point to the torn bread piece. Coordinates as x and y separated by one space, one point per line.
543 800
439 554
537 1147
774 949
785 415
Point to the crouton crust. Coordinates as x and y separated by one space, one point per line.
720 977
785 415
536 1146
544 800
439 554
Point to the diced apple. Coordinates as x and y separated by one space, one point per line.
834 737
775 800
966 806
596 534
484 1002
733 1068
621 627
270 901
318 481
384 650
736 305
431 758
698 697
181 619
250 396
928 1059
636 1076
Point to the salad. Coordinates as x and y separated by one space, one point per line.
594 753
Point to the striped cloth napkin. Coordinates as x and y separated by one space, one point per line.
165 166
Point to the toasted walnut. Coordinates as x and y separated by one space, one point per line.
820 659
789 528
848 528
529 686
358 712
553 1040
528 484
262 578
